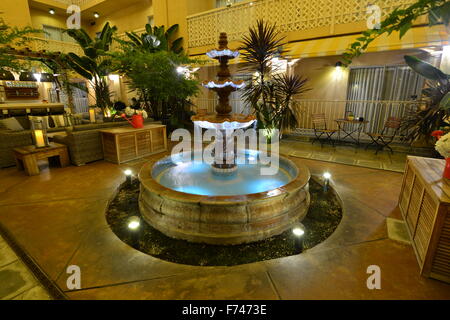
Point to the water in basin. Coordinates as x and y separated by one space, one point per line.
198 178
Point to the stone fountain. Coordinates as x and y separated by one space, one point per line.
191 201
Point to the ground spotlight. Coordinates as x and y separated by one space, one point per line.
96 15
51 11
298 230
129 176
326 178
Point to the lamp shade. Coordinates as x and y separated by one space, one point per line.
39 133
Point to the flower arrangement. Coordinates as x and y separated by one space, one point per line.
443 145
131 112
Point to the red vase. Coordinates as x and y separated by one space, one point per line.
447 169
137 121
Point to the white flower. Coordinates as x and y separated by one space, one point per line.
144 114
443 146
129 111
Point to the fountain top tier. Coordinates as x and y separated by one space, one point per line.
223 86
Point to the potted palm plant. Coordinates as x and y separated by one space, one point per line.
271 93
96 64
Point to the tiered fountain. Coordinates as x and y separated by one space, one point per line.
223 119
226 202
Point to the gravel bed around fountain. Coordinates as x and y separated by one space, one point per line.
323 217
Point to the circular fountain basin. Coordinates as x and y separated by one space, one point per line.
189 201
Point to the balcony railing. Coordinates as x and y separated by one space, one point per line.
375 112
288 15
39 44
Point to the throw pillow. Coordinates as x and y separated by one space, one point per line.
12 124
59 121
44 119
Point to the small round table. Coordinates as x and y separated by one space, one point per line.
356 127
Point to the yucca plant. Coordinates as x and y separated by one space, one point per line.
419 124
96 64
271 93
155 39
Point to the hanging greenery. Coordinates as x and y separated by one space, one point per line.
13 37
400 20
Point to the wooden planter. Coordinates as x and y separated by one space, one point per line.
127 143
424 203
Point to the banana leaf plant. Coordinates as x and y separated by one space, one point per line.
271 93
155 39
96 64
420 123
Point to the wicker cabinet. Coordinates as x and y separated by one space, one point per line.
127 143
425 205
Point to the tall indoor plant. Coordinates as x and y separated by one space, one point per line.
150 61
270 94
96 64
422 122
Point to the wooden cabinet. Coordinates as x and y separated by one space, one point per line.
127 143
425 205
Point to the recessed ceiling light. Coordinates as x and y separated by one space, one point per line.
96 15
51 11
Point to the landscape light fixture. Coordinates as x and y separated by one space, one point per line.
96 15
129 176
134 223
51 11
298 231
326 178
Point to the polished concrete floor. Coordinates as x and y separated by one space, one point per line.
345 154
16 280
58 219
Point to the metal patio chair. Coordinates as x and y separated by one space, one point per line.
384 139
320 129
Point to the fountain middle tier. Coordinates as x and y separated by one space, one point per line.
224 161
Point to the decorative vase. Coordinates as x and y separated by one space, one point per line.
446 174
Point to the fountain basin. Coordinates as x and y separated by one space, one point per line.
224 219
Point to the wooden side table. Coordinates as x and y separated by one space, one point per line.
28 156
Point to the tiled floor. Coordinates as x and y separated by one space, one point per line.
16 281
345 154
59 218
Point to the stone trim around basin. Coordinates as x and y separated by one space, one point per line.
224 219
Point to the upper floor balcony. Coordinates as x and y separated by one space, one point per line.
297 19
39 44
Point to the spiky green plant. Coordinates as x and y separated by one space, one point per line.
270 94
155 39
422 122
96 64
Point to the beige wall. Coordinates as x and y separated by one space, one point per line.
127 18
322 74
41 17
15 12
